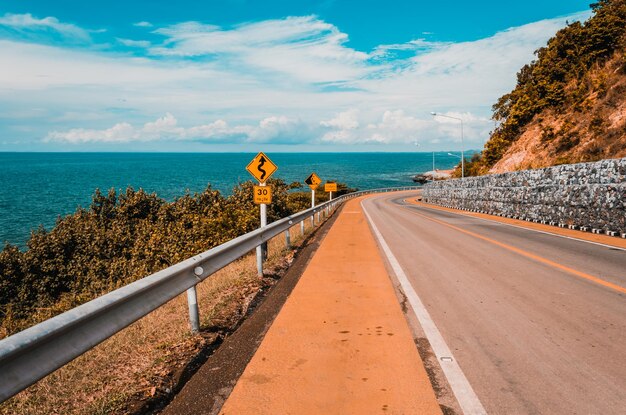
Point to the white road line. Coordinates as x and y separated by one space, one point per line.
409 205
465 395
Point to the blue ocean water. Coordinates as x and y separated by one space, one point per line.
36 188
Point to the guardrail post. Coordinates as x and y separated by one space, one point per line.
259 260
194 315
302 227
288 239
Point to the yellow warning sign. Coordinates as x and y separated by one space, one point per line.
262 195
313 181
261 167
330 187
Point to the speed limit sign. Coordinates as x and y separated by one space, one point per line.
262 195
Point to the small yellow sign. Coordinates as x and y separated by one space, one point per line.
262 195
261 167
313 181
330 187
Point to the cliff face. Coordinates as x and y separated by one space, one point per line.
569 105
593 130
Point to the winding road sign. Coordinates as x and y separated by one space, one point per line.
261 167
313 181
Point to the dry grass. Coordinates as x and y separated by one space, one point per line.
141 361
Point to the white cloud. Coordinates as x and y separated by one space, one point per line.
347 120
274 129
397 126
216 130
122 132
39 67
417 46
27 23
143 24
134 43
163 128
304 48
342 127
464 75
240 78
283 130
394 126
473 126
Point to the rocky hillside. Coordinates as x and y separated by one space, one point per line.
569 104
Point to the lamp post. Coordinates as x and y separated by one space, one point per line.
436 114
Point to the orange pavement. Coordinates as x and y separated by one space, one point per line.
341 344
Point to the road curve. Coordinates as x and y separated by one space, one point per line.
537 322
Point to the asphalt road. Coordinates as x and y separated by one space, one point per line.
525 313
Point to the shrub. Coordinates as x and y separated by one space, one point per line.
121 238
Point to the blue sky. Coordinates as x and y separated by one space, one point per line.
274 75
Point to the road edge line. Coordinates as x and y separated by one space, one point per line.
465 395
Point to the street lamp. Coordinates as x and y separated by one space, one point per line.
436 114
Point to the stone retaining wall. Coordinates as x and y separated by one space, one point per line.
591 196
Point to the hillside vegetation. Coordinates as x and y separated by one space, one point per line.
121 238
569 105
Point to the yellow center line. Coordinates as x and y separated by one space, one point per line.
529 255
549 229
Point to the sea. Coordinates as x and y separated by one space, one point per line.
37 188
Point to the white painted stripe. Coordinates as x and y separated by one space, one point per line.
410 205
465 395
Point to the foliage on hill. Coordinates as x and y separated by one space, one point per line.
121 238
569 79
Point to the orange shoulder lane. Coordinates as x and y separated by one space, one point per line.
585 236
341 344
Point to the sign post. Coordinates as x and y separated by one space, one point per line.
263 225
261 168
313 181
330 187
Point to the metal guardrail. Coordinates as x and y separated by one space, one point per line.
30 355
